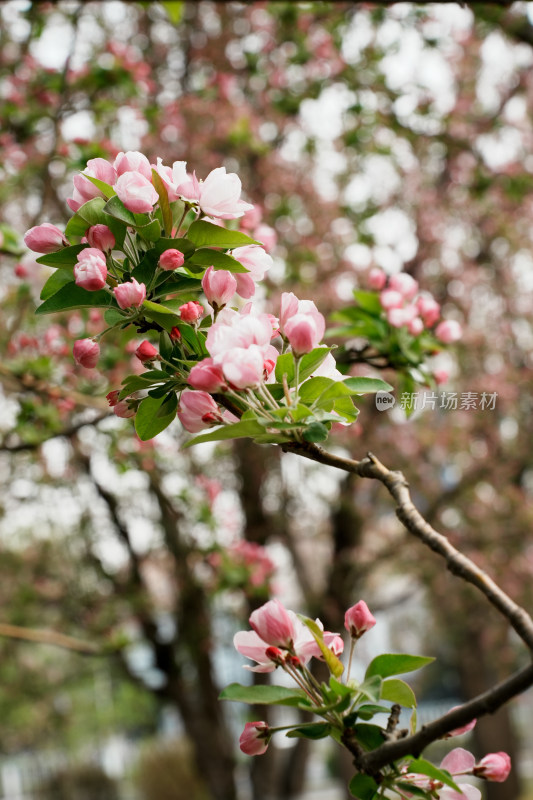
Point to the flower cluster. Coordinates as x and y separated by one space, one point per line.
243 565
281 638
148 244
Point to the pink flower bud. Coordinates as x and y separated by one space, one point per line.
448 331
207 376
191 312
405 284
125 408
171 259
133 161
255 738
415 326
494 767
273 624
90 272
175 334
304 333
220 195
266 235
100 237
112 397
463 729
397 317
376 279
243 367
429 310
197 410
86 353
136 192
130 294
45 238
390 298
441 376
358 620
219 287
146 352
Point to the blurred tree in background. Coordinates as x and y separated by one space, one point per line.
398 137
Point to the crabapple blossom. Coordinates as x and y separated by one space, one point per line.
219 286
255 738
376 279
463 729
220 195
208 376
191 312
390 298
404 284
86 353
197 410
146 352
101 237
132 161
448 331
257 262
45 238
130 294
494 767
171 259
243 367
358 620
273 624
429 309
304 333
124 409
136 192
90 271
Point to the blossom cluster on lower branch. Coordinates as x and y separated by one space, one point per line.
281 639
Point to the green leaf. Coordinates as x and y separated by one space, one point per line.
422 767
55 282
150 233
311 361
154 415
315 432
413 791
371 688
174 9
368 710
340 689
335 665
113 316
218 260
205 234
285 366
165 317
397 691
345 408
369 301
164 204
90 213
183 245
317 730
116 208
263 695
395 664
367 385
238 430
369 736
363 787
64 258
71 296
313 388
105 188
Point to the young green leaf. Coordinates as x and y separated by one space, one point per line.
164 205
422 767
395 664
263 695
239 430
397 691
205 234
316 730
55 282
335 665
71 296
363 787
154 415
64 258
367 385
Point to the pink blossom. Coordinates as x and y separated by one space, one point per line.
191 312
101 237
130 294
237 330
250 645
304 332
251 218
86 353
146 351
390 298
45 238
429 309
266 235
415 326
177 181
112 397
404 284
448 331
208 376
90 271
219 286
397 318
197 410
84 189
243 367
463 729
441 376
132 161
220 195
255 738
124 409
136 192
273 624
376 279
358 620
102 170
171 259
494 767
257 262
288 308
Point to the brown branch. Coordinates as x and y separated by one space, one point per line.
44 636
